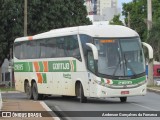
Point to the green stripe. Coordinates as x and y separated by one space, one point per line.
31 66
44 77
41 66
134 81
124 82
53 66
75 67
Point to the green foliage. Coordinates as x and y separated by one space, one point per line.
138 15
116 20
154 39
154 33
43 15
10 26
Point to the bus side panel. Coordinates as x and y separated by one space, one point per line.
18 81
20 78
70 83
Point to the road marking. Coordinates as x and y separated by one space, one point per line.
57 108
48 109
144 107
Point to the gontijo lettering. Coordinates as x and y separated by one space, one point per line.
63 66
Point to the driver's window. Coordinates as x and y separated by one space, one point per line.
90 62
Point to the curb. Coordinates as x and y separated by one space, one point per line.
49 110
10 92
153 90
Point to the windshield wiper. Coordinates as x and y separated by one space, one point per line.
127 64
119 63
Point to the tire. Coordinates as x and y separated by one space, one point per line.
36 95
83 99
123 99
28 91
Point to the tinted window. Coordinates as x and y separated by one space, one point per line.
31 50
60 47
72 47
85 39
18 50
51 48
66 46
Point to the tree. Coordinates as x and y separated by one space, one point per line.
154 39
43 15
116 20
10 26
154 33
138 16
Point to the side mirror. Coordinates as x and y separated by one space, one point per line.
90 62
94 50
92 58
150 49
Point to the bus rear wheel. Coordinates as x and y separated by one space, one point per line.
28 91
36 95
83 99
123 99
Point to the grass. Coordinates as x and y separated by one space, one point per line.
4 89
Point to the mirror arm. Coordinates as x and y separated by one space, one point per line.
94 50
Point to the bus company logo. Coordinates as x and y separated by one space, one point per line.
124 82
61 66
18 67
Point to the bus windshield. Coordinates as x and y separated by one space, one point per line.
120 57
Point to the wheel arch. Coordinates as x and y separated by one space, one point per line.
25 83
77 85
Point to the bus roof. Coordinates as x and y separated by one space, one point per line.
108 31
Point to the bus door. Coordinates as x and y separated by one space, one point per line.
91 73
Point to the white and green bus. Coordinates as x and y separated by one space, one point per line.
84 61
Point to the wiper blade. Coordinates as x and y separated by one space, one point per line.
119 63
127 64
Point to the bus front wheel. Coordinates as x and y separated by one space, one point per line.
123 99
36 95
83 99
28 91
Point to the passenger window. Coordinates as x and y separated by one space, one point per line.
85 39
31 50
60 47
43 45
72 47
18 50
51 48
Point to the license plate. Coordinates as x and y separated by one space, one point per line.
124 92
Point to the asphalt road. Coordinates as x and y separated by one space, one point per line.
150 102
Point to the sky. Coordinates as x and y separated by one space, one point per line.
122 1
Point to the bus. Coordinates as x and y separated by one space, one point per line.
97 61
